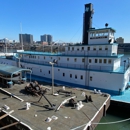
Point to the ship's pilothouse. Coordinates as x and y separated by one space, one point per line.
101 42
101 36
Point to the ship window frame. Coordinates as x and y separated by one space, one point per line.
68 48
75 59
105 61
90 60
89 48
83 59
100 48
76 76
82 48
70 75
106 48
91 78
67 59
40 70
72 48
81 77
63 74
49 72
100 60
94 48
109 61
96 60
59 58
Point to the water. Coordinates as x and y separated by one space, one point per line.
113 115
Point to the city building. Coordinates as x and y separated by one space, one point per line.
26 38
120 40
46 38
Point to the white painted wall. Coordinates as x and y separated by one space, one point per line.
114 49
110 81
98 41
8 62
116 64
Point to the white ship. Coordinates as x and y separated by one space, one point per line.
94 64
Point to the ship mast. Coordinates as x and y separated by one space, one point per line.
21 36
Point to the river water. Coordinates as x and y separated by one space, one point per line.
112 117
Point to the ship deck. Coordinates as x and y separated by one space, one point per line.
68 117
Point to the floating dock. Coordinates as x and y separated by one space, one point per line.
63 116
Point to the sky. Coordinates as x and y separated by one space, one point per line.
63 19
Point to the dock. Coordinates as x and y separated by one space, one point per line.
38 117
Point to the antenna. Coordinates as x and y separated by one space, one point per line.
21 36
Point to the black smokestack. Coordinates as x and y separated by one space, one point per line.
87 22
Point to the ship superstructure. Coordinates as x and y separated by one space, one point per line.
91 65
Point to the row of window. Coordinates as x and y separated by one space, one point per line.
32 56
75 76
104 33
88 48
90 60
81 77
101 61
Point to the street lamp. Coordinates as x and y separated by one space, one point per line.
52 72
124 64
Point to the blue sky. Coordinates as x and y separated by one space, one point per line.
63 19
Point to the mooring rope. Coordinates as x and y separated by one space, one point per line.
107 123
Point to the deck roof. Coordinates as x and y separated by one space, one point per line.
9 70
